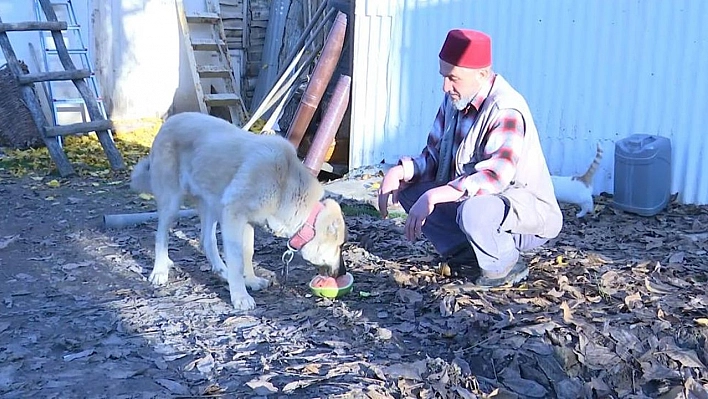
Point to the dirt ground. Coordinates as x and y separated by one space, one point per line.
615 307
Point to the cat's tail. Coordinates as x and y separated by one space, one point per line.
587 177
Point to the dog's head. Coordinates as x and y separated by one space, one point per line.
325 249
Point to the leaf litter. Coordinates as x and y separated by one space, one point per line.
613 307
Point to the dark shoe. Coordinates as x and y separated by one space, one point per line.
517 274
469 272
461 262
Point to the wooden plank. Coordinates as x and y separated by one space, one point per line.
29 97
233 26
246 23
109 147
202 18
206 44
53 76
33 25
79 128
237 112
213 71
234 34
222 99
221 67
259 15
229 14
186 39
272 45
260 24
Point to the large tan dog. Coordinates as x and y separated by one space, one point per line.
238 179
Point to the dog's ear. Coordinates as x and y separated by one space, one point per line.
336 226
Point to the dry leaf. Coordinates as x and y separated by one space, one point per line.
411 371
293 385
567 313
5 241
204 364
80 355
633 301
655 371
694 389
654 243
676 257
598 357
527 388
688 358
312 368
658 288
409 296
173 386
539 329
7 374
625 339
261 386
610 282
123 374
53 183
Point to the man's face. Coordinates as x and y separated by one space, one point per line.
461 84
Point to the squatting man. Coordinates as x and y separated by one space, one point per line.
480 191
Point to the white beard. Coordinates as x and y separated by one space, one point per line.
462 103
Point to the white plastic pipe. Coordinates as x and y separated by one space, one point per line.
128 219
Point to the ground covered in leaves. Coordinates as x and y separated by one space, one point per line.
615 307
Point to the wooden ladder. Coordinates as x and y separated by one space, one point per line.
210 63
50 133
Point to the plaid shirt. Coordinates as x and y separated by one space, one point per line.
495 167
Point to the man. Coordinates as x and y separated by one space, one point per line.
480 191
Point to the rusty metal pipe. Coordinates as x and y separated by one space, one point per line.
320 78
327 130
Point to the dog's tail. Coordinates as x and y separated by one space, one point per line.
140 177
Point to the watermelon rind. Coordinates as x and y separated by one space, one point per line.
331 293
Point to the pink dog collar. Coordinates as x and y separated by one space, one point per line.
307 232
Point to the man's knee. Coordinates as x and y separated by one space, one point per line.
481 213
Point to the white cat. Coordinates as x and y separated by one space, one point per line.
578 189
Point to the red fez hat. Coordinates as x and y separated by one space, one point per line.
467 48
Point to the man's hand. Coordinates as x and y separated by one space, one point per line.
425 205
391 184
417 215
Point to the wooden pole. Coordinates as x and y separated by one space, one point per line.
114 156
30 100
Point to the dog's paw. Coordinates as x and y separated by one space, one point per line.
159 277
243 302
257 283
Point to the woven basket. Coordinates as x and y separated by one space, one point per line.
17 128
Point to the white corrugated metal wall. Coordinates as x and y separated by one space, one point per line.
591 71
